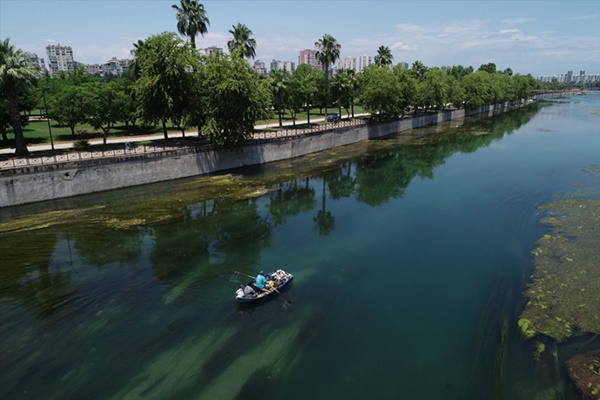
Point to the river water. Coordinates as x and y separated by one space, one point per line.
410 259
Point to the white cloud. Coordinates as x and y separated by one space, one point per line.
514 21
404 46
505 31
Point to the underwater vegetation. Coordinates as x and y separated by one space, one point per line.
563 299
584 371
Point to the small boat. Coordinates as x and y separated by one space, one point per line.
275 282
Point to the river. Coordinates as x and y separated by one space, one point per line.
410 260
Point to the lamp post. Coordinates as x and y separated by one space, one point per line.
48 119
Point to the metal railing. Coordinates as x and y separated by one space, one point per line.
133 150
286 133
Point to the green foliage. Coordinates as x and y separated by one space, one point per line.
238 99
304 88
191 19
242 41
166 83
490 68
477 89
17 78
343 89
384 56
81 145
279 83
328 53
386 93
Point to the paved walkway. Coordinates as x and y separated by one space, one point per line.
158 136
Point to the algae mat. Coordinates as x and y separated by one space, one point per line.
563 299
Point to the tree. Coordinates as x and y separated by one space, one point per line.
328 53
105 104
490 68
477 89
353 81
408 88
381 92
343 90
434 89
384 56
418 69
305 86
16 76
66 97
243 40
279 82
191 19
238 98
166 82
4 118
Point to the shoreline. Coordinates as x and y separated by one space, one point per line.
36 183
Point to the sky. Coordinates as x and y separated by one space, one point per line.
530 37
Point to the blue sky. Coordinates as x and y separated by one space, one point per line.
537 37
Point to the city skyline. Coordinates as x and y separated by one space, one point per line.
537 37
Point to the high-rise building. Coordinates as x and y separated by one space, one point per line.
60 58
259 67
309 57
288 66
363 62
346 64
569 77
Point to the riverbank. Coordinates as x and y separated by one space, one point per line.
34 183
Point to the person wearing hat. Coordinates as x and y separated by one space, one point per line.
259 282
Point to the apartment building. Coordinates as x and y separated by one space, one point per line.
288 66
114 66
346 64
259 67
363 62
60 58
570 78
309 57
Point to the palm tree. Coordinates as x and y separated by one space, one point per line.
191 19
384 56
328 53
16 76
418 69
243 40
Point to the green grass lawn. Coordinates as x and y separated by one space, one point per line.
37 132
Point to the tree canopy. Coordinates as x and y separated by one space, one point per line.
328 52
191 19
384 56
17 76
166 81
242 40
238 99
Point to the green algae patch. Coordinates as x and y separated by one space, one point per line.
584 371
563 299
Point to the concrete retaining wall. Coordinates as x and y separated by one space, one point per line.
40 183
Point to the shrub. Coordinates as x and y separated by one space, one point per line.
81 145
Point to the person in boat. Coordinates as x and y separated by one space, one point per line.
249 291
260 280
